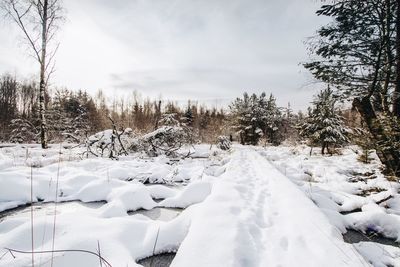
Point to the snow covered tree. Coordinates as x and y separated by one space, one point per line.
324 126
188 124
256 116
57 118
290 121
169 119
246 119
8 102
23 131
223 142
271 119
187 117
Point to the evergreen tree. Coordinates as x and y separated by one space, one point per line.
246 120
256 116
188 118
58 120
324 126
272 121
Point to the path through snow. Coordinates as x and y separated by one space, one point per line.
256 217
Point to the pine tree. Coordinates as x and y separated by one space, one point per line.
246 119
256 116
272 121
187 117
324 126
57 117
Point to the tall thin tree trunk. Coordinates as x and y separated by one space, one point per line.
389 58
387 154
42 88
396 101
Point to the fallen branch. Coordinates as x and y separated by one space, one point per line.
383 200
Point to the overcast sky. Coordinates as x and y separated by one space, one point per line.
206 50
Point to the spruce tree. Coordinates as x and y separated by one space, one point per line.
245 116
324 126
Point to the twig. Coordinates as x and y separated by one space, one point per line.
118 137
155 244
98 251
66 135
32 237
59 251
383 200
55 208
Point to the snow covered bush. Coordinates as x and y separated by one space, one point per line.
324 125
224 143
167 139
23 131
109 143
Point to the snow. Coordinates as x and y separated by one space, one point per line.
196 192
262 219
378 221
379 255
250 206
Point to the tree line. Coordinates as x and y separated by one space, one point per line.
76 114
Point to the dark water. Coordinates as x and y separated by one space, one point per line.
353 236
160 260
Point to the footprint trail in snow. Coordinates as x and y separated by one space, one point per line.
255 216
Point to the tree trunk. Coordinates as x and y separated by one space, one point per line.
396 100
388 156
323 148
389 58
328 150
42 88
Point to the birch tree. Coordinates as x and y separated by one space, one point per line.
38 21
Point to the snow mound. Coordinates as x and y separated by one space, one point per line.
195 192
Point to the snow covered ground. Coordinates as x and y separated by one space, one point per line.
252 206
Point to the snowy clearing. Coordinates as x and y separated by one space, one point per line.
251 206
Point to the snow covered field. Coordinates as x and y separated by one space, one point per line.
252 206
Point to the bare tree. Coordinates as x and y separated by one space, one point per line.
396 104
39 21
